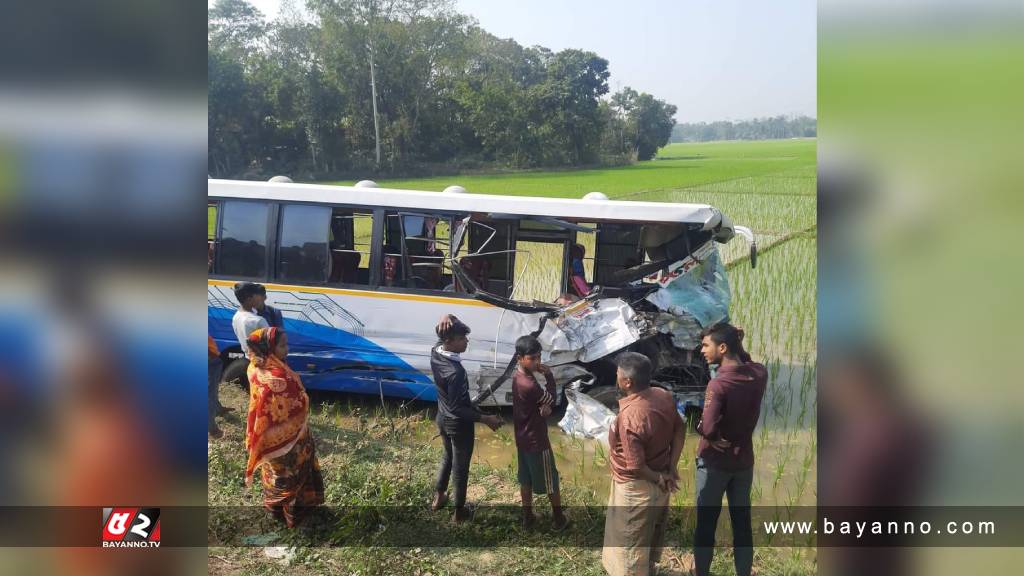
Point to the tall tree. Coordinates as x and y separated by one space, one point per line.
567 114
644 121
370 17
235 27
654 120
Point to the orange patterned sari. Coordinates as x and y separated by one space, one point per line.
277 434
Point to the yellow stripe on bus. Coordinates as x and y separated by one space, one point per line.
362 293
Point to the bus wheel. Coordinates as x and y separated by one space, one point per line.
235 373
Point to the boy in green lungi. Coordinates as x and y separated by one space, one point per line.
531 404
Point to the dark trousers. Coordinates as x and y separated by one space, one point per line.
213 393
712 483
458 438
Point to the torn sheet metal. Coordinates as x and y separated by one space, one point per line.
588 330
683 328
586 417
696 286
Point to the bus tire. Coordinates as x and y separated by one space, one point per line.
235 373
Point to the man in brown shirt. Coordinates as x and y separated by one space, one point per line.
645 442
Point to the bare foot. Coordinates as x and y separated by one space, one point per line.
529 520
559 522
440 499
687 564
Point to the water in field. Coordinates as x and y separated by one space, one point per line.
784 442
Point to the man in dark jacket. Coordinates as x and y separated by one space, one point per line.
456 414
725 455
272 315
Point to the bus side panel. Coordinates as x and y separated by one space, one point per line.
372 342
219 327
329 358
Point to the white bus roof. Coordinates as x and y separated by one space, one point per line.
577 209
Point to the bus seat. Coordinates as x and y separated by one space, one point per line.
344 267
478 269
429 268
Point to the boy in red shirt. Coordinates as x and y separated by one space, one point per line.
531 404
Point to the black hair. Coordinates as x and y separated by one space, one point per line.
246 290
456 329
636 367
731 336
527 346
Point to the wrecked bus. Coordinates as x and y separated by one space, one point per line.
362 274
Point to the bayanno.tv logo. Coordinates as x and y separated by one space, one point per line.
131 527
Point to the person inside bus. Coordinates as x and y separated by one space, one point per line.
392 266
456 414
578 279
250 296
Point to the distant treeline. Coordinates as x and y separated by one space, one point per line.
758 129
407 86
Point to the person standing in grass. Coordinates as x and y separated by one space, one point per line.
725 455
456 414
272 315
246 320
645 442
531 404
277 434
213 407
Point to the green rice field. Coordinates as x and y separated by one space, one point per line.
384 454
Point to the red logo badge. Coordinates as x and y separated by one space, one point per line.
125 527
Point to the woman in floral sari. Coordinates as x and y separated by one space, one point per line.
277 434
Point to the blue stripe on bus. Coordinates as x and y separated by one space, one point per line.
328 358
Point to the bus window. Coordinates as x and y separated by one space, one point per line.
415 248
543 248
588 240
350 238
302 255
618 248
243 239
492 270
211 235
539 268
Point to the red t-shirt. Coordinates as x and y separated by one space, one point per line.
527 398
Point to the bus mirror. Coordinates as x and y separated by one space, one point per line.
748 235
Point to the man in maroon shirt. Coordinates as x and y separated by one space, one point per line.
645 442
725 455
531 405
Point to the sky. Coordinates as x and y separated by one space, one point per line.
713 59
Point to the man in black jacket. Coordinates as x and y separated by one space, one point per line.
456 414
272 315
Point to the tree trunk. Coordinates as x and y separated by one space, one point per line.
373 92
